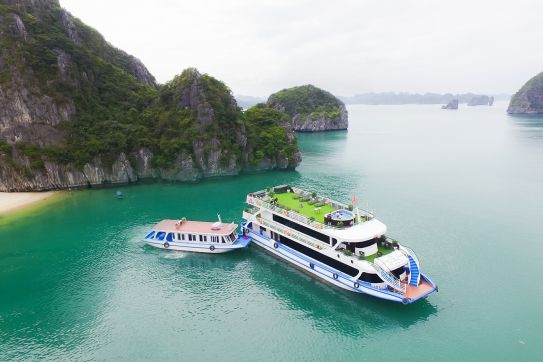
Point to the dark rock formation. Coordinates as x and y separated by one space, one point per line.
529 99
311 109
479 101
453 104
75 112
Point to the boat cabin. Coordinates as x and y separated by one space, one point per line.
193 232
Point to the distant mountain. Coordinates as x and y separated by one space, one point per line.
312 109
415 98
248 101
529 98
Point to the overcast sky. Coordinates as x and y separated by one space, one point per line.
346 47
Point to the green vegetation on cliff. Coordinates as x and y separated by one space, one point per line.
306 100
267 134
86 100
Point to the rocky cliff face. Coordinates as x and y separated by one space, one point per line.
529 99
311 109
317 122
75 111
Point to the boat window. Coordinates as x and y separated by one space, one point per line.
178 236
169 237
294 225
150 235
205 237
223 239
201 238
370 278
182 236
160 235
190 237
347 269
334 241
233 237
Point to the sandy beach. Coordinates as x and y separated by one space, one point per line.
12 201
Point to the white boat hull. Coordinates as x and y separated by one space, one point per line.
320 271
208 248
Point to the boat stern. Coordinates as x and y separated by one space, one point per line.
424 289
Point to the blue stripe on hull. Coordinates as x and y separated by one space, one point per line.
240 243
290 255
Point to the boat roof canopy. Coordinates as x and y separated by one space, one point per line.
196 227
360 232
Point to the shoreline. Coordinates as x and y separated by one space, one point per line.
11 202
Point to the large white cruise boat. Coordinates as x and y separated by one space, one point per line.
196 236
337 243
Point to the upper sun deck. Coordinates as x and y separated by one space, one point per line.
316 211
195 227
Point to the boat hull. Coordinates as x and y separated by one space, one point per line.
321 271
208 248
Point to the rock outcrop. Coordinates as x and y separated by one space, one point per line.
453 104
529 99
76 112
311 109
479 101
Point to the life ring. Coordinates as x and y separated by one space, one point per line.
275 245
335 276
356 285
212 247
405 300
312 266
166 245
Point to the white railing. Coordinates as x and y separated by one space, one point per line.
409 252
296 215
390 279
290 233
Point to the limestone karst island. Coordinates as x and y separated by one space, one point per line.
270 180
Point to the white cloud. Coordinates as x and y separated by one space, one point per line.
347 47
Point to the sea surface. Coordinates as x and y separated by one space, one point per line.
463 188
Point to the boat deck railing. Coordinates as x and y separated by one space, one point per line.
303 238
390 279
258 200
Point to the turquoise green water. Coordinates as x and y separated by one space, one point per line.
464 189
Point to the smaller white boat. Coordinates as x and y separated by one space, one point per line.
196 236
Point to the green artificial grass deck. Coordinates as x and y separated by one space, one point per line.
303 207
382 249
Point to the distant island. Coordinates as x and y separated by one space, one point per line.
76 111
311 109
392 98
248 101
529 98
453 104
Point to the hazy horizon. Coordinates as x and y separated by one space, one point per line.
355 48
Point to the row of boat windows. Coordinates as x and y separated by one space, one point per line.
161 235
336 264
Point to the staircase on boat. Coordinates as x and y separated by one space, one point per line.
390 279
414 265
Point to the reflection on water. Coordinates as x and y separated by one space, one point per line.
529 126
331 309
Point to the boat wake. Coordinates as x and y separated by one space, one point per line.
173 254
